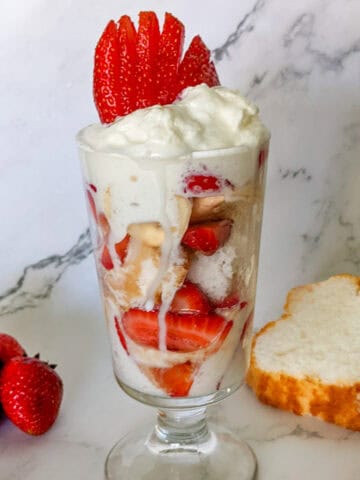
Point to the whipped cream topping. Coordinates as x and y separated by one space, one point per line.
203 119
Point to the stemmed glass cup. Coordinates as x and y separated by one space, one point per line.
176 244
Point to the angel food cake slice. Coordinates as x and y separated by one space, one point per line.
308 361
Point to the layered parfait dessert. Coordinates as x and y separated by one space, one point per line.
174 177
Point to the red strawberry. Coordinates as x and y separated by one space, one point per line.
9 348
230 301
121 248
106 259
127 56
168 59
107 85
202 184
176 381
262 157
190 299
146 53
207 237
92 204
184 333
196 67
31 394
93 188
104 225
136 70
121 335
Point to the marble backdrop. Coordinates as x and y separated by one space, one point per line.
299 61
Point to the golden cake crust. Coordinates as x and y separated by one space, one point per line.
335 403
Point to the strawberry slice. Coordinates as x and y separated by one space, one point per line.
168 60
120 335
137 70
106 85
196 66
207 237
127 56
184 333
121 248
262 157
190 299
106 259
176 381
104 225
232 300
92 204
202 184
146 53
228 302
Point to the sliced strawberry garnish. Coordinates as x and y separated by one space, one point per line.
107 87
202 184
176 381
93 188
210 75
92 204
196 66
168 60
127 59
121 248
120 335
207 237
136 70
190 299
106 259
184 333
146 54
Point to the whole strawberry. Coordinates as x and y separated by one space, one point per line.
31 394
9 348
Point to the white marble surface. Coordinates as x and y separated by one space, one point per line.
300 61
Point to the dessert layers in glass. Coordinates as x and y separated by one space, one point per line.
176 245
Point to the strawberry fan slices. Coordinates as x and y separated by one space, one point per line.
137 69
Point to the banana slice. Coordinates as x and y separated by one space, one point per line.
151 233
207 208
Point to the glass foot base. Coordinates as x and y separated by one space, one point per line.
220 456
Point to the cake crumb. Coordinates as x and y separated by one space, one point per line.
214 273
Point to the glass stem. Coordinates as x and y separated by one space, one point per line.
182 427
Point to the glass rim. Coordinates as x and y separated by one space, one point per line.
197 154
